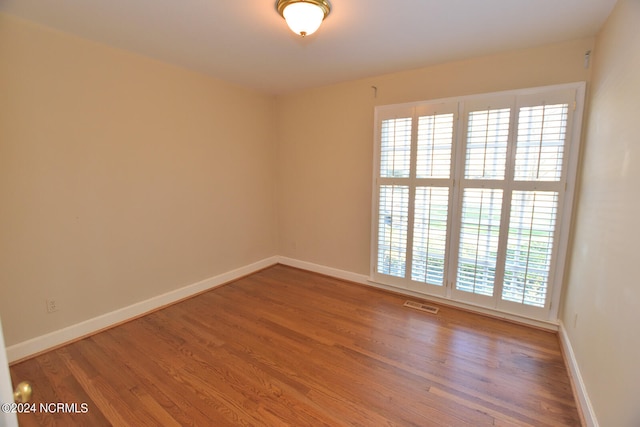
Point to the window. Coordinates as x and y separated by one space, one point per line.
472 197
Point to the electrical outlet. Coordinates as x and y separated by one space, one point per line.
52 305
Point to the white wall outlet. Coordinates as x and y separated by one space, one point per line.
52 305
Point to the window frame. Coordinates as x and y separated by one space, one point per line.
516 99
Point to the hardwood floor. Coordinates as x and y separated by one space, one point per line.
288 347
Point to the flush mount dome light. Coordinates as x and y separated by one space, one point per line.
303 16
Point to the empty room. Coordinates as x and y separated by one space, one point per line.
319 213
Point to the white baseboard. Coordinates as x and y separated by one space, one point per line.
70 333
54 339
327 271
578 384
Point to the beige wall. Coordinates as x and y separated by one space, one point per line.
121 178
603 293
325 138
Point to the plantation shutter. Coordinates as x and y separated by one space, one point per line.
479 232
469 197
432 192
530 246
539 184
393 214
413 192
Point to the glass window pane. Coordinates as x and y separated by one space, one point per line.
435 134
480 228
540 145
487 136
530 246
430 234
392 229
395 148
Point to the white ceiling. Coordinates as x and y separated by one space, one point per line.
248 43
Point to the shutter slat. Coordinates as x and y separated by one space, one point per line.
529 247
392 229
435 139
430 234
540 143
479 231
395 148
487 137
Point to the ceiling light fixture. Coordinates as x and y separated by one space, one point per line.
303 16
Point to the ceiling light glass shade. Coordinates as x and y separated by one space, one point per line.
303 16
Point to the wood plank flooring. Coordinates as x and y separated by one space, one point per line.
288 347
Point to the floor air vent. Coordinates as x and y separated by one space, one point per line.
422 307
